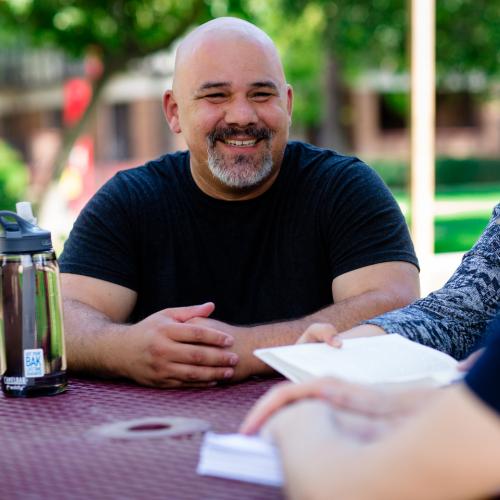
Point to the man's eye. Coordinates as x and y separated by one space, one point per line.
261 96
217 95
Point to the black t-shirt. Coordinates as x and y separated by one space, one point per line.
484 377
151 229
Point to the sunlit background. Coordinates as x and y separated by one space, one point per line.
81 83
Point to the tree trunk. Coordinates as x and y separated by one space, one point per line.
332 134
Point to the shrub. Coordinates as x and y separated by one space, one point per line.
13 177
449 171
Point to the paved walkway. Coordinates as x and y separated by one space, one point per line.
454 207
443 207
436 272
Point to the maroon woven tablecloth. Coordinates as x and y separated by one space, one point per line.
47 451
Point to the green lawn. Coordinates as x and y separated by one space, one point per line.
458 234
459 230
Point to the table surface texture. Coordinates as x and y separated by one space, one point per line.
48 449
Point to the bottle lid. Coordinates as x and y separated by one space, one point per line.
21 236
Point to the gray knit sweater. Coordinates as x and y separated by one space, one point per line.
454 318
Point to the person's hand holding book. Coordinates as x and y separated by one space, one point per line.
326 332
385 403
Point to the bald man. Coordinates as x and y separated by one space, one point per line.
177 270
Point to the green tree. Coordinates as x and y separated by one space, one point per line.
13 178
328 44
117 31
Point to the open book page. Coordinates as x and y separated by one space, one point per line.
369 360
245 458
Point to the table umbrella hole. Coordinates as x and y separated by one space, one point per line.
149 427
152 427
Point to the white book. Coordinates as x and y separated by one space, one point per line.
366 360
369 360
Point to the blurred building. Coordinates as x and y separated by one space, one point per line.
467 125
129 127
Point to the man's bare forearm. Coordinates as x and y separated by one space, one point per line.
320 463
90 338
162 350
343 315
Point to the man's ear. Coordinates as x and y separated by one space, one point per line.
171 111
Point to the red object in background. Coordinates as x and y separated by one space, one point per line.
77 94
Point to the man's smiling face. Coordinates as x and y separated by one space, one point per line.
232 104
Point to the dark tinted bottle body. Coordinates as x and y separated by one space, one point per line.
32 326
32 353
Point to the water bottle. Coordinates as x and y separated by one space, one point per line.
32 350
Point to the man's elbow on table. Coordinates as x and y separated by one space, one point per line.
395 284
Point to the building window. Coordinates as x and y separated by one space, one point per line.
392 108
53 119
11 130
120 137
458 109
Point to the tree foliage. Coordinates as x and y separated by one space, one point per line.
115 31
369 34
118 29
361 36
13 177
372 35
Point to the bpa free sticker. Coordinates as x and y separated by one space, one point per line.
33 363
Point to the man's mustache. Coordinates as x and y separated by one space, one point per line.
223 133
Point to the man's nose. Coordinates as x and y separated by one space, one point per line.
240 112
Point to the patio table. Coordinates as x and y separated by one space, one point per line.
48 449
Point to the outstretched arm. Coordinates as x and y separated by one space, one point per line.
389 403
451 319
454 318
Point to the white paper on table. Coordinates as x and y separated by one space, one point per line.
245 458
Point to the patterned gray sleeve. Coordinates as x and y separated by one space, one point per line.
454 318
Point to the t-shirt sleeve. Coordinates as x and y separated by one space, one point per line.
484 377
102 243
365 225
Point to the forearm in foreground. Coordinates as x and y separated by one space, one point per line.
449 451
